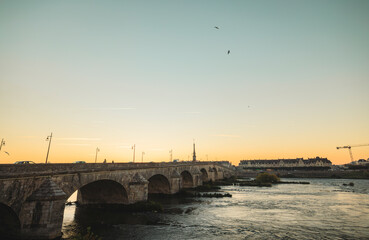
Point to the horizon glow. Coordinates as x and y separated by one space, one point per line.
111 74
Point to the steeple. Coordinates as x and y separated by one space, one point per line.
194 153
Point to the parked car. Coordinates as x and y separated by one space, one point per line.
24 162
79 162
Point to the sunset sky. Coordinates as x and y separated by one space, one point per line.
110 74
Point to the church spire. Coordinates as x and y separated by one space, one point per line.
194 152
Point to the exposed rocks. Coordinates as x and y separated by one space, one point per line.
351 184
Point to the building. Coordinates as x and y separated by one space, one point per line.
287 164
360 162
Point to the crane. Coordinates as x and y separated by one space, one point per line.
349 148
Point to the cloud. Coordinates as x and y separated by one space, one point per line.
111 108
226 135
79 139
74 144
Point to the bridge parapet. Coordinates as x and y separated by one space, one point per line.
24 170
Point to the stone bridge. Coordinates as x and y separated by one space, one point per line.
32 197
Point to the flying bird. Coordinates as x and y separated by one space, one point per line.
216 27
6 153
229 51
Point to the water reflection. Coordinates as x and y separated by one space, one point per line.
325 209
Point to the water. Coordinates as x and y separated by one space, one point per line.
324 209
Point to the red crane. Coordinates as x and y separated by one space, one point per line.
349 148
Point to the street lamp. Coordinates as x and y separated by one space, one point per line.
97 150
2 143
142 159
134 151
48 149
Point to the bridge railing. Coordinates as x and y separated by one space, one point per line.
29 170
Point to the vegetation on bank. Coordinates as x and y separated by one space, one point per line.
267 178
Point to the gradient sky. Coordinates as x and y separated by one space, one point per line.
111 74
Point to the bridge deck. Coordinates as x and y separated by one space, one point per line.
38 170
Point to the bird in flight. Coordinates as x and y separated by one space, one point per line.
216 27
229 51
6 153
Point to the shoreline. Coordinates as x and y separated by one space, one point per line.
346 174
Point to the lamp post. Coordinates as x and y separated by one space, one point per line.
142 159
134 152
97 150
48 149
2 143
171 155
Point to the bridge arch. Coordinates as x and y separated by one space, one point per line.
9 222
159 184
187 179
102 192
204 175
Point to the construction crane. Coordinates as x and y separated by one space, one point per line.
349 148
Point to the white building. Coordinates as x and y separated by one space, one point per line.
297 163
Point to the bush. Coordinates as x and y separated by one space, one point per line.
267 178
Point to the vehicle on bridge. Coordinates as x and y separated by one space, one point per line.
24 162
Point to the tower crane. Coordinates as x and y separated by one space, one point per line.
349 148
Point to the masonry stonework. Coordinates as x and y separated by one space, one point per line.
37 194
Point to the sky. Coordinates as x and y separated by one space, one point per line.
156 74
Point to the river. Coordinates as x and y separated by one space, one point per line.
324 209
